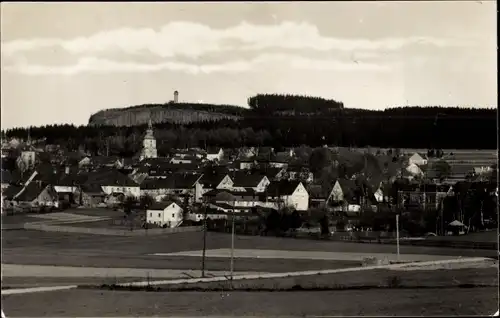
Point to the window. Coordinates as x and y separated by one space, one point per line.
173 215
151 214
159 215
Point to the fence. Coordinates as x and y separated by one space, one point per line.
110 232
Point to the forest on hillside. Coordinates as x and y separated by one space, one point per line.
283 121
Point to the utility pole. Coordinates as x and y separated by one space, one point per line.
204 238
397 235
232 246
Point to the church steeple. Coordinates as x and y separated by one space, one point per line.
149 144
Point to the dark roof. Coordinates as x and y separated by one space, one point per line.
211 180
71 179
316 192
213 150
161 205
282 187
11 191
150 184
245 179
110 178
154 162
32 191
6 176
103 160
173 181
270 173
92 189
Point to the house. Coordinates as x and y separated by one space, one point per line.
212 214
168 214
418 159
299 173
256 181
317 197
183 160
216 154
214 180
156 188
423 196
246 152
277 163
245 164
345 196
285 155
27 158
90 195
35 194
67 185
285 193
179 184
381 192
8 195
100 162
114 199
415 170
241 201
273 173
114 181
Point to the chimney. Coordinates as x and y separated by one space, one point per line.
66 170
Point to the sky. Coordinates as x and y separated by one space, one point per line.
61 62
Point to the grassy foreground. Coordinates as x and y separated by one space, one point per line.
390 302
379 278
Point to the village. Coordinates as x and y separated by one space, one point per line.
351 189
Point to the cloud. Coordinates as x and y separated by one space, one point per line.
263 61
194 40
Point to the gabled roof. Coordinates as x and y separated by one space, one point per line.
162 205
214 150
282 187
244 179
211 180
32 191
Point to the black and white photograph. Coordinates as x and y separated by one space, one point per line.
249 159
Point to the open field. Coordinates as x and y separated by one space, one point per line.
72 249
401 302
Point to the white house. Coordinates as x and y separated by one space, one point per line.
215 155
417 159
168 214
290 194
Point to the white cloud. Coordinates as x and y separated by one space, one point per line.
195 40
97 65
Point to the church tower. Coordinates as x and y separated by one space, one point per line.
149 143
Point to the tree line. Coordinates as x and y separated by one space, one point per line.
290 121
